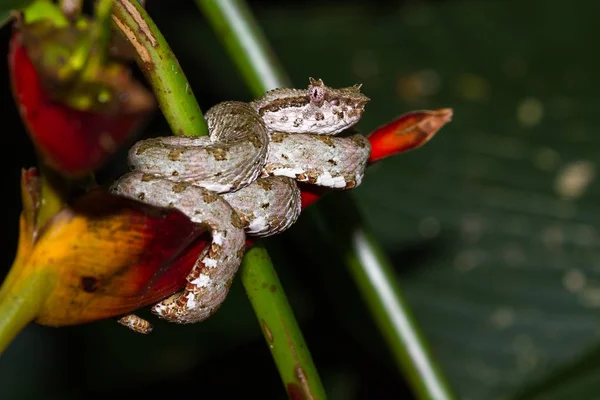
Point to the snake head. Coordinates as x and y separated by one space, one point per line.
339 109
318 109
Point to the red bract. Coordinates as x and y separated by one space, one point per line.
72 141
408 132
134 255
310 194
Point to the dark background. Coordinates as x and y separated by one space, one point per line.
492 226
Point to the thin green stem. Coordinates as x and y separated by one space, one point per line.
246 44
249 49
377 283
161 68
279 326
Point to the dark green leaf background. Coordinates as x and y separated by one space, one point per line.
492 226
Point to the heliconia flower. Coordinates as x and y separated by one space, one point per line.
75 120
101 256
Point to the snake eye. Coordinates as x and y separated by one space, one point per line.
317 94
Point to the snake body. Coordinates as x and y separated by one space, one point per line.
241 179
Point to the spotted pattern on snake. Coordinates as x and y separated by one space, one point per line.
241 179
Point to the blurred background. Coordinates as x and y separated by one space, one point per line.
492 226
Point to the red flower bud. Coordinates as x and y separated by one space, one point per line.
407 132
75 122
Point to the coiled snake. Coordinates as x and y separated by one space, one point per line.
241 179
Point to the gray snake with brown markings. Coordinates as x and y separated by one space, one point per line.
241 179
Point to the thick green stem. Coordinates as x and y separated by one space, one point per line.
161 68
279 326
299 372
176 98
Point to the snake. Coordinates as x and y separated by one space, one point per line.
241 179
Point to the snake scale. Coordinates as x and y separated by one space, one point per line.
241 179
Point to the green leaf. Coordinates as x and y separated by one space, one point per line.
578 380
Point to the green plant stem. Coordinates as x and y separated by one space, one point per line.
279 326
377 283
161 68
157 61
246 44
370 269
20 300
340 222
